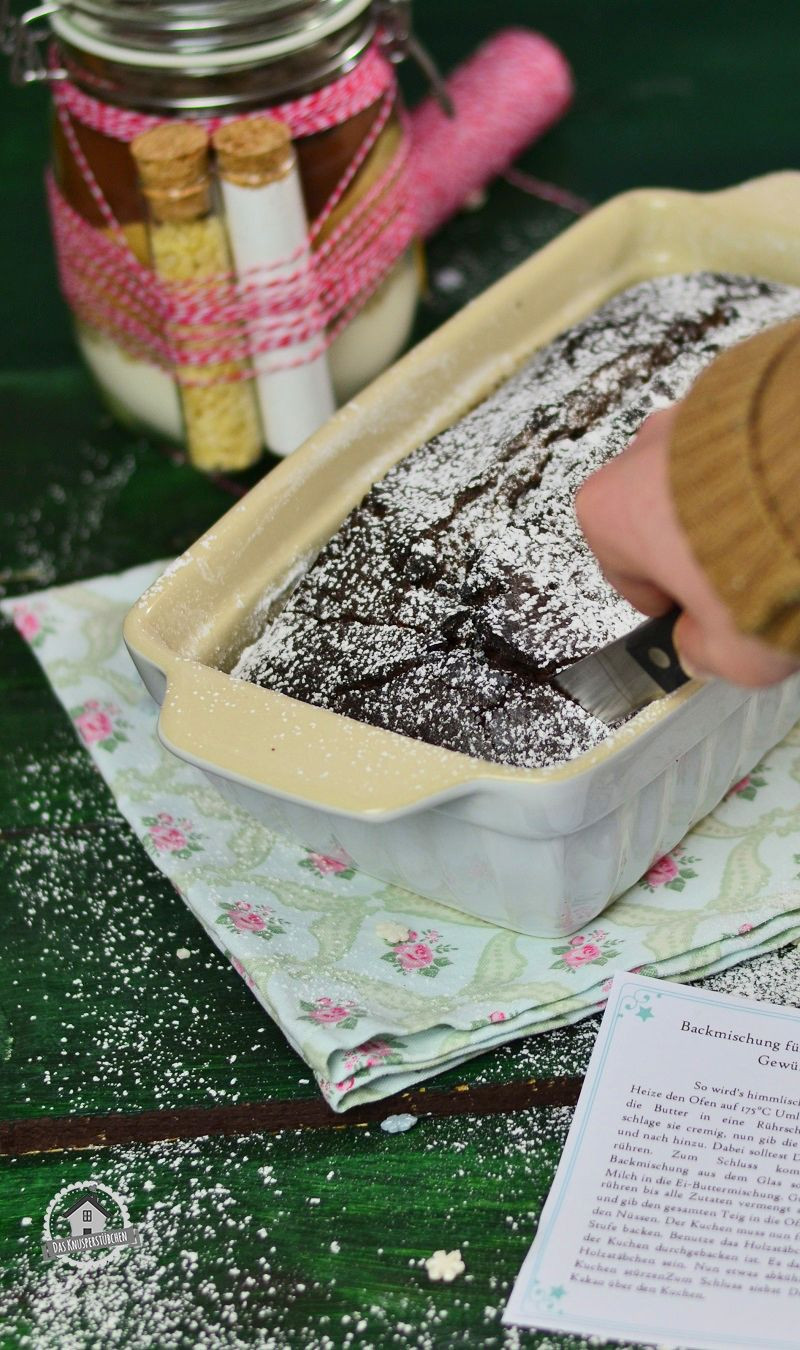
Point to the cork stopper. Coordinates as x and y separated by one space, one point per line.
172 160
253 151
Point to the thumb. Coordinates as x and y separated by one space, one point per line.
691 646
705 652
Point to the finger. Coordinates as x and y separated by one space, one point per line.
705 653
656 426
648 598
595 506
623 509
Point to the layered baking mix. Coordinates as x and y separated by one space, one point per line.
461 584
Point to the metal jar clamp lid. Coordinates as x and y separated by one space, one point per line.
181 28
124 50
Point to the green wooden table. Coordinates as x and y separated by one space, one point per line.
268 1220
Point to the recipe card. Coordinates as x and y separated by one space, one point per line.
674 1216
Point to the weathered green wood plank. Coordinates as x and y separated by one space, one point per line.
310 1240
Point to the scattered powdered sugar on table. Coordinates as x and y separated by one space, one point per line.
446 1266
449 598
399 1124
774 978
218 1270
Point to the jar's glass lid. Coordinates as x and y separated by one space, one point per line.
187 26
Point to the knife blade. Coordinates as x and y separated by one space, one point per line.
627 674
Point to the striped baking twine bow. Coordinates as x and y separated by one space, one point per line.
225 320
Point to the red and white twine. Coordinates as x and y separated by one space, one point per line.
325 108
236 322
510 91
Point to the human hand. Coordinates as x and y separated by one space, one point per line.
629 521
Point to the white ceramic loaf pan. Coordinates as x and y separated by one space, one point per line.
541 851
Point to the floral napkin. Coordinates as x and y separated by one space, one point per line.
375 987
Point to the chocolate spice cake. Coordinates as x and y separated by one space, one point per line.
452 594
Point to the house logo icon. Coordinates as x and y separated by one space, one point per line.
86 1215
96 1220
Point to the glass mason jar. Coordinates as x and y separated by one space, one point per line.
214 59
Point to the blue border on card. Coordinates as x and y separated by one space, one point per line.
562 1181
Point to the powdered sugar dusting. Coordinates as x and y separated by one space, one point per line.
461 584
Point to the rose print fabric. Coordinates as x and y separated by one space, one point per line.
413 951
595 950
375 987
674 869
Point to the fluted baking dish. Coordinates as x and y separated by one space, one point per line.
542 851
